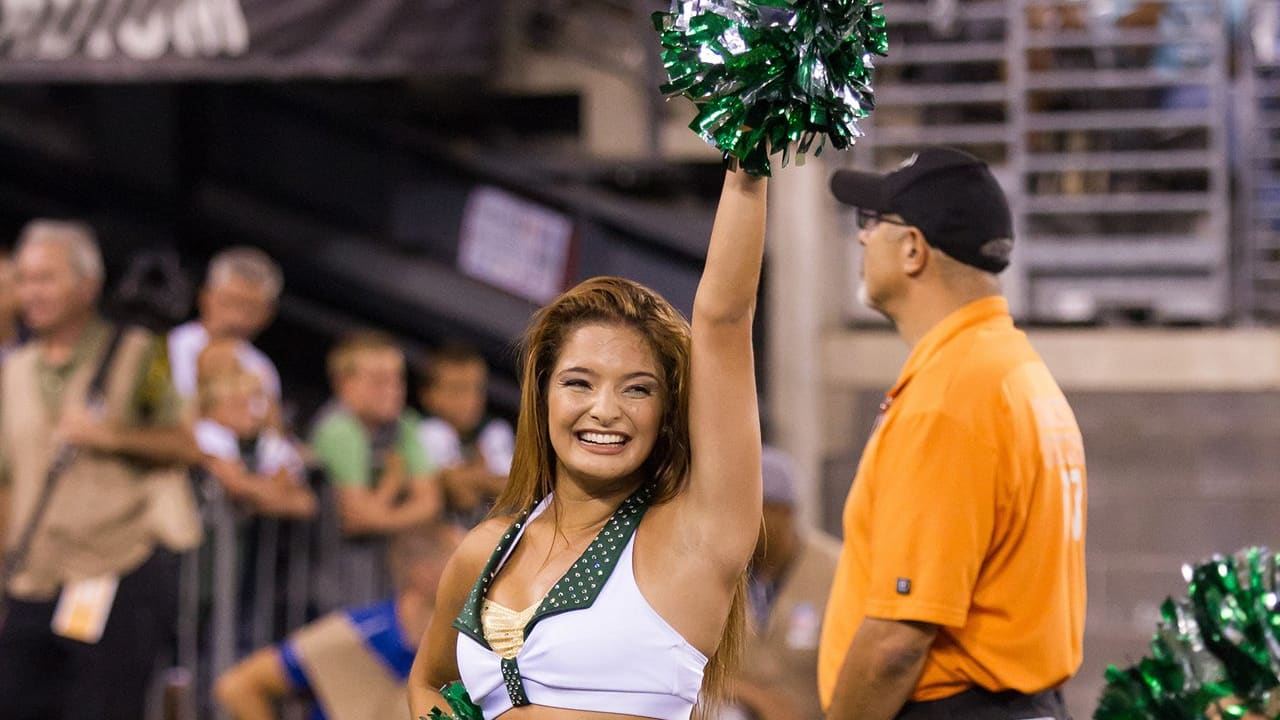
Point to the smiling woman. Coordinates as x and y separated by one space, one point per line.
607 582
603 405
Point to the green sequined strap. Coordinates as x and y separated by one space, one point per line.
513 682
468 620
581 584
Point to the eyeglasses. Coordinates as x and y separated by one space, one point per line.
868 219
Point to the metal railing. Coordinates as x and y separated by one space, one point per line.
256 579
1108 129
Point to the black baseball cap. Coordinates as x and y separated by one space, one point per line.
949 194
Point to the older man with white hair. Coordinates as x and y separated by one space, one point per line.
238 301
90 603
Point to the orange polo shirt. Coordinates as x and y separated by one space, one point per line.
968 512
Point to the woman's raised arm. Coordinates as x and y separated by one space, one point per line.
723 499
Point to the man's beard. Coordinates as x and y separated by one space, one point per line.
864 298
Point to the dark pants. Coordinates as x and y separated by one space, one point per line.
979 704
46 677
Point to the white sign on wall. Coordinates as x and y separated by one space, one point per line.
514 244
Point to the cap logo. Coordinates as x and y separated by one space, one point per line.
909 161
998 249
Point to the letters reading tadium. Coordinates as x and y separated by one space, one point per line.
52 30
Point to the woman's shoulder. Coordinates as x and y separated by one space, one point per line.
480 542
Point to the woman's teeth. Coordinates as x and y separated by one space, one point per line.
597 438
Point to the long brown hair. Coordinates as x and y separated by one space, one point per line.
615 301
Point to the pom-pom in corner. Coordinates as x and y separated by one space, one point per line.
1220 646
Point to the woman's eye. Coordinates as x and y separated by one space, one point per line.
574 383
640 390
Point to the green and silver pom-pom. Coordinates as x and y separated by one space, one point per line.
1219 645
773 76
460 705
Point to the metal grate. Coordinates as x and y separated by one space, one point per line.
1107 128
1123 160
1259 162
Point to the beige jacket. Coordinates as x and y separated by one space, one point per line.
784 654
107 512
348 681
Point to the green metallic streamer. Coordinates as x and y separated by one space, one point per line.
1221 641
773 76
460 705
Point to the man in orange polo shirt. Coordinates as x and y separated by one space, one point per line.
960 591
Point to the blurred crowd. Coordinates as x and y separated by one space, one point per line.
103 546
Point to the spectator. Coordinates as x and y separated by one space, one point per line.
353 663
95 553
255 464
237 301
472 449
788 586
368 445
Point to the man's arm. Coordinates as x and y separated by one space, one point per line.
881 669
365 512
470 484
422 506
281 495
391 484
249 689
476 474
361 512
276 495
158 444
937 456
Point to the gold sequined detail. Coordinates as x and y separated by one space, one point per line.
504 627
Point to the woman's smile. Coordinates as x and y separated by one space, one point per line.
604 443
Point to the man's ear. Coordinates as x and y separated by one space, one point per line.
915 252
90 292
269 314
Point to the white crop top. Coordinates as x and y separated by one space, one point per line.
593 644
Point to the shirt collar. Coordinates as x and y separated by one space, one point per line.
971 315
90 339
